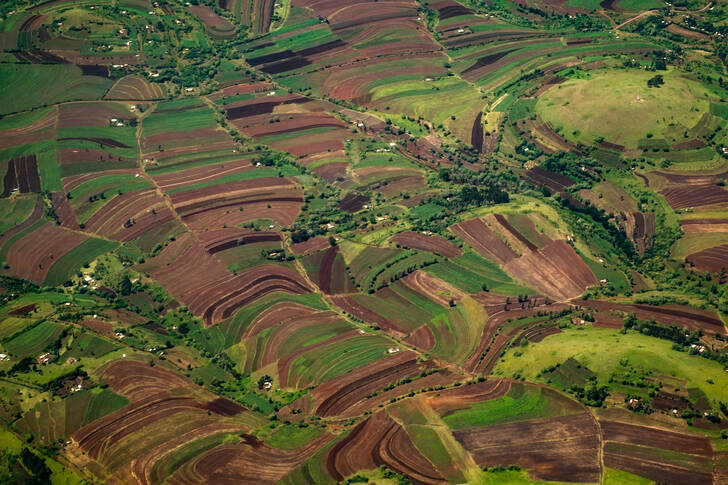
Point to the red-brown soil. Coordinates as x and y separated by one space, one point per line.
206 286
433 287
688 317
134 88
95 114
659 438
537 334
218 240
556 271
620 452
249 461
353 202
380 441
31 256
334 397
695 196
704 226
63 210
552 181
22 175
714 259
130 215
210 18
332 276
349 305
311 245
433 243
484 241
692 34
559 449
448 401
422 338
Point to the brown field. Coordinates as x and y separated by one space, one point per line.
448 401
632 448
484 241
704 226
334 397
714 259
233 203
31 256
216 25
218 240
130 215
433 243
92 114
433 288
22 175
332 276
688 317
695 196
129 441
64 211
552 181
559 449
556 271
249 461
692 34
311 245
208 288
378 441
349 305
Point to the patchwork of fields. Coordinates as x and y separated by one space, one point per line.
315 242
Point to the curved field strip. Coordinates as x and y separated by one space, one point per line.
32 256
713 259
335 359
386 444
210 290
134 88
336 396
248 461
433 243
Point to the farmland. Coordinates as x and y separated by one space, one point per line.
313 242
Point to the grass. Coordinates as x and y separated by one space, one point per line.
613 476
291 437
619 116
601 350
521 403
693 243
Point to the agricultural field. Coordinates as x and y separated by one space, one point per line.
394 242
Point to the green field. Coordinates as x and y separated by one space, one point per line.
521 403
29 86
601 350
627 110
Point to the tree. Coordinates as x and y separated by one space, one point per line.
655 82
125 286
